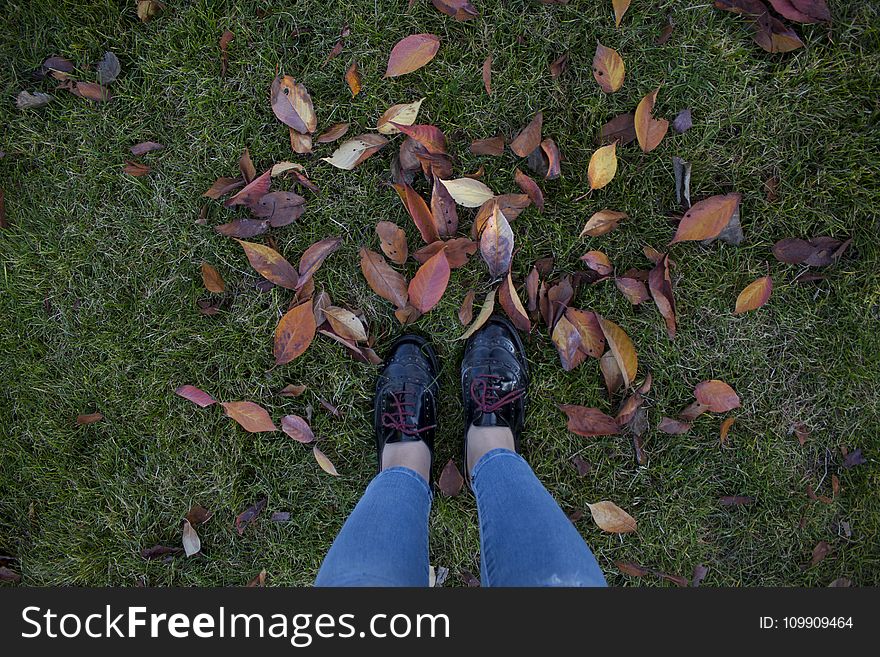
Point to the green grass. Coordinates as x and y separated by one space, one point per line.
100 275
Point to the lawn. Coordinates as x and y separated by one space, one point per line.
100 279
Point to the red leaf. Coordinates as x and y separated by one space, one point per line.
411 53
252 417
314 256
589 421
252 192
660 284
512 305
195 395
529 138
428 285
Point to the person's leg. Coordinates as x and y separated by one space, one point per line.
525 538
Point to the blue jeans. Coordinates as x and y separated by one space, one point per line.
525 538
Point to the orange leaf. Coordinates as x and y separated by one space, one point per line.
421 215
717 396
512 305
333 133
411 53
755 295
567 340
620 7
649 131
443 210
252 417
587 324
270 264
252 192
382 279
428 285
725 428
707 218
530 188
392 240
611 518
353 79
623 349
529 138
660 284
589 421
314 256
608 68
212 279
294 333
429 136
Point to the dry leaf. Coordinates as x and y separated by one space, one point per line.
191 542
331 134
611 518
246 517
148 146
313 257
195 395
529 138
633 289
411 53
300 143
252 417
716 396
146 9
252 192
382 279
660 284
294 333
603 221
354 151
297 428
598 262
418 210
611 373
623 349
468 192
512 305
592 340
567 340
346 324
292 104
620 7
775 36
270 264
559 65
428 285
451 482
672 426
292 390
466 312
530 188
589 422
483 317
392 240
820 552
224 42
491 146
457 250
212 279
603 166
324 462
260 580
608 68
89 418
135 168
755 295
649 131
487 74
707 218
403 114
496 244
223 186
460 10
353 79
725 428
443 210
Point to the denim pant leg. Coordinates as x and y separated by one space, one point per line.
384 542
525 538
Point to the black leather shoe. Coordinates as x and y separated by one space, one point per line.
405 405
494 379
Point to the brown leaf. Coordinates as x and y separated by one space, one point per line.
198 515
672 426
428 285
135 169
314 256
279 208
243 228
418 209
224 42
530 188
621 128
717 396
457 250
443 210
451 482
592 340
725 428
623 349
382 279
483 317
803 11
252 192
551 154
678 580
707 218
252 417
598 262
88 90
755 295
602 222
634 569
589 422
223 186
297 428
699 575
333 133
567 340
611 518
583 468
270 264
775 36
246 517
259 581
325 463
496 244
491 146
820 552
620 7
246 166
146 9
558 298
611 373
89 418
292 104
512 305
660 284
292 390
460 10
649 131
353 79
559 65
487 74
529 138
353 152
693 411
608 68
146 147
212 279
160 551
346 324
532 282
747 7
466 311
633 289
411 53
195 395
392 241
299 142
294 333
801 432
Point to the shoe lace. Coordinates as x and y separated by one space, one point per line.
486 392
401 415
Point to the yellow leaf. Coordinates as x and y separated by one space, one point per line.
483 317
620 7
468 192
325 463
649 131
755 295
403 114
608 68
623 349
603 166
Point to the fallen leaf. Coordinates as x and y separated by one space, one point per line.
212 279
775 36
281 516
403 114
583 468
608 68
554 160
160 551
87 90
252 417
660 284
621 128
487 74
243 228
589 422
634 569
529 138
428 285
530 188
649 131
346 324
468 192
496 244
353 79
411 53
633 289
418 209
735 500
755 295
148 146
620 7
292 390
491 146
89 418
353 152
611 373
332 133
191 542
557 300
592 340
270 264
483 317
136 168
382 279
672 426
725 428
246 517
314 256
854 458
108 68
707 218
801 432
246 166
259 580
460 10
598 262
559 65
451 482
292 104
146 9
222 186
297 428
747 7
567 340
623 349
682 122
28 100
225 39
699 575
294 333
603 166
602 222
195 395
682 172
251 194
466 311
392 240
693 411
532 285
299 142
325 463
512 305
717 396
457 250
611 518
820 552
665 33
443 210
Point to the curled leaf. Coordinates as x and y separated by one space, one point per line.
512 305
331 134
483 317
660 284
623 349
